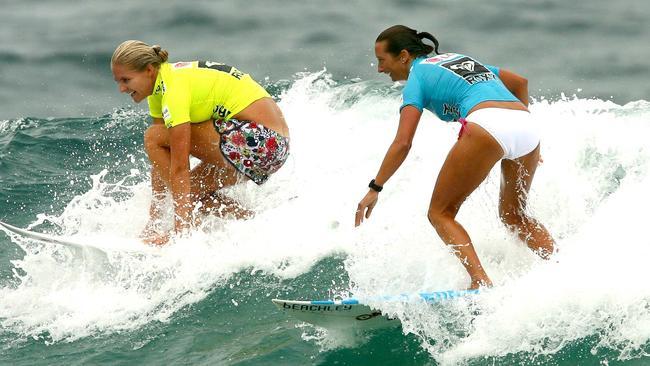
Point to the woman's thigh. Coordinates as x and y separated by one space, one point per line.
211 174
207 178
516 179
206 143
468 163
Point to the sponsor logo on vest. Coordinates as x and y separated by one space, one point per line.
160 88
182 65
220 112
438 58
467 65
222 67
166 115
470 70
451 109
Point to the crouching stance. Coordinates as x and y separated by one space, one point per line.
204 109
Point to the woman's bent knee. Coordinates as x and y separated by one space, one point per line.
437 218
154 137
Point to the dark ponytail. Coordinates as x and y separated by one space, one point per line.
399 37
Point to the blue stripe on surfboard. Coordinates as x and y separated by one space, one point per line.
426 296
335 302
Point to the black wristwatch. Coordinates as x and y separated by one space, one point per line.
375 187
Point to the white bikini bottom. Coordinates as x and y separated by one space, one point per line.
513 129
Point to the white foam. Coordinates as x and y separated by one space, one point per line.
590 192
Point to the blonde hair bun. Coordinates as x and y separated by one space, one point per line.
137 55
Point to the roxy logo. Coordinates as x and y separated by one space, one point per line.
467 65
470 70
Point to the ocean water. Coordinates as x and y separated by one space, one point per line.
72 162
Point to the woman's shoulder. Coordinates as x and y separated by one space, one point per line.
177 73
177 67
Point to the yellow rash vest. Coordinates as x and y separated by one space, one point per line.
197 91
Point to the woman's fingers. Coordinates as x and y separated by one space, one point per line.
369 210
365 207
358 219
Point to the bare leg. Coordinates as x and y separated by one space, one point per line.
211 175
207 180
156 144
157 198
516 179
157 149
468 163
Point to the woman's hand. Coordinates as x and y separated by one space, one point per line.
365 206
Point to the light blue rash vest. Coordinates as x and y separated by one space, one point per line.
450 84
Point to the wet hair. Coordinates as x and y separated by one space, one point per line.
400 38
138 55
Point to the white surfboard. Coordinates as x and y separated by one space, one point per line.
74 243
351 312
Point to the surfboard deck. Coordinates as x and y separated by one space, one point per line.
138 248
352 312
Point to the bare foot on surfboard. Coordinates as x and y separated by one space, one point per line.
478 283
